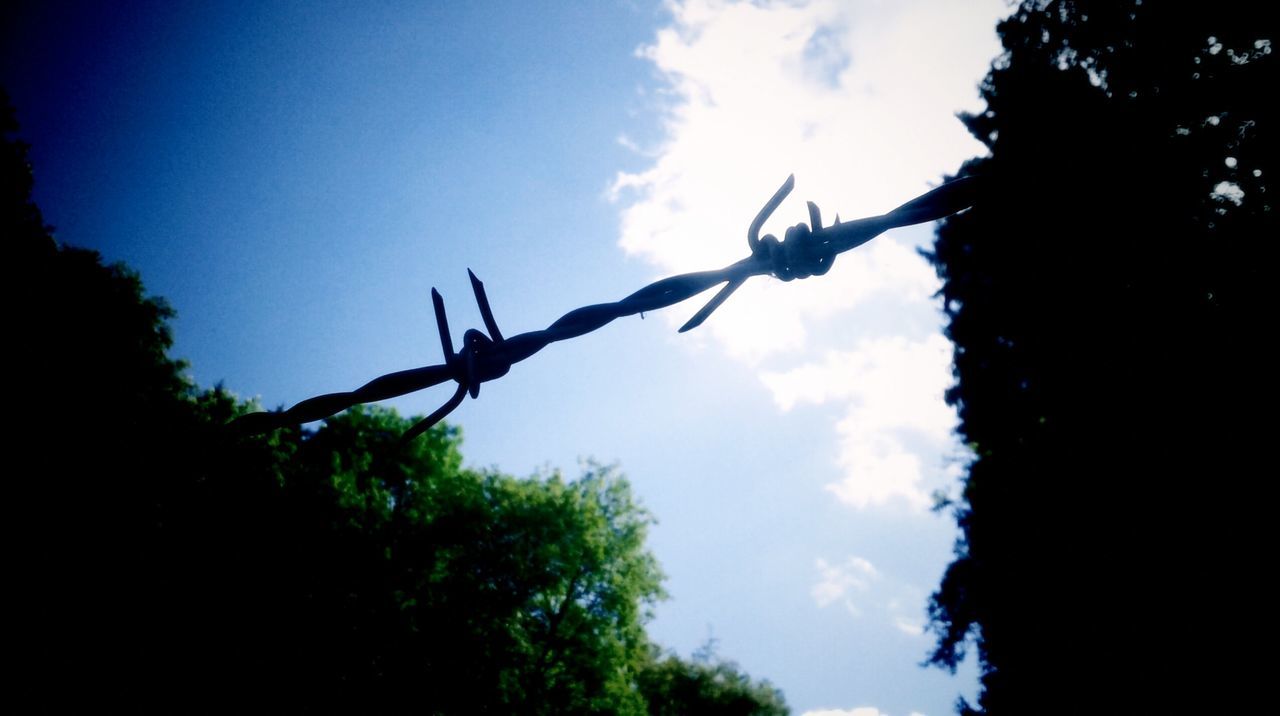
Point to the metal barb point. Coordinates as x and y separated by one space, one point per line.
427 423
753 241
442 323
486 313
753 233
712 305
815 217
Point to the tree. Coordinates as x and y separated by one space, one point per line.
162 561
493 594
705 685
97 411
1109 301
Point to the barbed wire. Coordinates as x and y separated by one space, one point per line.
805 250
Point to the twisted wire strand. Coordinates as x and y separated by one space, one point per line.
803 252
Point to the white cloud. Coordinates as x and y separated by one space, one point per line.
858 100
837 581
867 592
892 389
899 380
910 627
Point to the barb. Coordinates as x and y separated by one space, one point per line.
804 251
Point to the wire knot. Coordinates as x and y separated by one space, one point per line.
799 255
480 359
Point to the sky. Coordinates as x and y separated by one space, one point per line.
294 178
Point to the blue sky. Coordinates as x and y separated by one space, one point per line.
295 177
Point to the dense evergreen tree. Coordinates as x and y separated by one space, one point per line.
1110 298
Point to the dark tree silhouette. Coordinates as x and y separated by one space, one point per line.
160 562
1111 298
706 685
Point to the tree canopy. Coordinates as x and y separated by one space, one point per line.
1109 298
706 685
165 562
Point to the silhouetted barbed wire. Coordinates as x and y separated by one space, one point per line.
803 252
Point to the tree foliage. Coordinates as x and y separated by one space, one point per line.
1110 299
405 574
164 562
704 685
